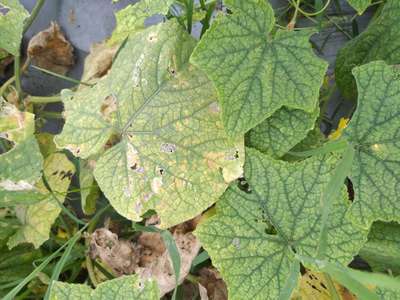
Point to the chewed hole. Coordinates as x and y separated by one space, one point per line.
168 148
4 10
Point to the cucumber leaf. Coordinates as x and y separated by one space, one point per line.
282 131
374 133
287 195
20 167
122 288
12 17
37 219
166 146
380 41
254 72
360 5
382 250
132 18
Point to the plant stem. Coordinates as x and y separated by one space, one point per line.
44 100
292 23
206 21
331 287
189 15
17 75
34 14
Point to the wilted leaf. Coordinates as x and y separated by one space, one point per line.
360 5
37 219
147 256
255 72
123 288
12 17
375 135
162 122
98 62
382 250
49 49
132 18
256 263
282 131
380 41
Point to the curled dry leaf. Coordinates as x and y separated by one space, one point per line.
147 256
98 62
49 49
212 281
119 255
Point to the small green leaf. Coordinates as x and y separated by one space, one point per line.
12 17
90 191
132 18
37 219
375 135
380 41
255 73
169 151
282 131
360 5
382 250
122 288
256 263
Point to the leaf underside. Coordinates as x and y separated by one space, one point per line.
172 153
254 73
288 196
374 132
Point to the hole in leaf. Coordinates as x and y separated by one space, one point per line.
4 10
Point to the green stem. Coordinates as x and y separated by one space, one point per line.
292 23
17 75
34 14
4 87
51 115
44 100
189 15
331 287
206 21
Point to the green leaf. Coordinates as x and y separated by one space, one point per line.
90 191
375 135
37 219
15 265
122 288
20 167
360 5
255 262
132 18
382 250
380 41
163 123
12 17
255 73
282 131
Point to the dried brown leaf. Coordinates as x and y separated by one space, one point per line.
98 62
49 49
